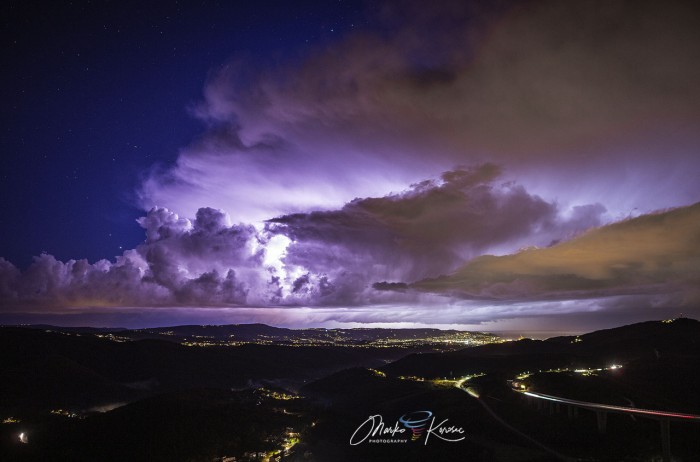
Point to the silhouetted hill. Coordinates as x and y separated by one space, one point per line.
76 329
44 370
56 381
659 371
175 402
199 424
263 333
642 341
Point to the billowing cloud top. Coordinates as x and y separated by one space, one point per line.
367 252
330 257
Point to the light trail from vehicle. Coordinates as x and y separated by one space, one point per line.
612 408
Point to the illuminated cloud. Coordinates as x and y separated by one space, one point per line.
206 261
655 254
426 231
328 267
441 145
584 102
329 258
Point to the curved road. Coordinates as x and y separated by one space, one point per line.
473 393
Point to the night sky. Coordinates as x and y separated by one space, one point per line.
491 165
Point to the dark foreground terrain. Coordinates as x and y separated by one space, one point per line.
86 398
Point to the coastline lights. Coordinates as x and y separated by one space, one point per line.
416 422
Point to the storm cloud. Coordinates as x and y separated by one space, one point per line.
428 230
649 255
331 265
206 261
317 258
583 102
452 164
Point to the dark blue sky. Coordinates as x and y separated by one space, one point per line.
96 93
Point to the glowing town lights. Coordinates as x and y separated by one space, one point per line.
64 413
275 394
584 372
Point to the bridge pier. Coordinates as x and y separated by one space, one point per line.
666 439
551 404
602 421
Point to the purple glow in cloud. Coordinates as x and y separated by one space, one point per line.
328 258
326 266
585 103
